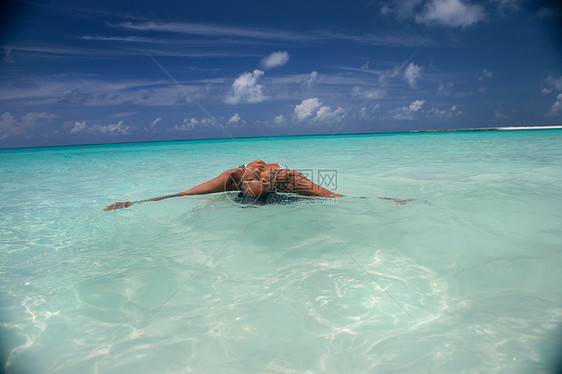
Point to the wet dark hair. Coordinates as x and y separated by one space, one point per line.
274 198
244 198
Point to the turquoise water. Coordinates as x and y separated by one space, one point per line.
465 278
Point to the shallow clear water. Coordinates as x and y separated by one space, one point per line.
465 278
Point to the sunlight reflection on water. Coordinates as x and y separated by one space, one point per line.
463 278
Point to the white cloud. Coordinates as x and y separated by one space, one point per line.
443 113
557 106
554 84
402 116
33 118
407 112
279 119
224 35
412 74
9 126
78 127
456 13
549 12
112 129
371 94
307 108
445 89
294 84
7 58
118 128
486 74
402 8
312 79
363 113
322 113
367 114
507 5
500 115
68 90
438 113
235 118
452 13
212 30
275 59
326 114
416 105
187 125
190 124
155 122
246 89
387 75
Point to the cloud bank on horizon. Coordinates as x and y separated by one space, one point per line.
74 73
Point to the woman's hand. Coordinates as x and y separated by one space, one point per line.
119 205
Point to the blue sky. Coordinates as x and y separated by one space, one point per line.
75 72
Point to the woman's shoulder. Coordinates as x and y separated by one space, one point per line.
237 172
233 175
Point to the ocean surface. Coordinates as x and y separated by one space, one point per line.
464 278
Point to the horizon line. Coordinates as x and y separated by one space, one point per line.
499 128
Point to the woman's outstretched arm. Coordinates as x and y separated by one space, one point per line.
295 182
224 182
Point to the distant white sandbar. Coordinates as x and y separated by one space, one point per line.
529 127
496 128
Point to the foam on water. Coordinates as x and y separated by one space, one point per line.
464 278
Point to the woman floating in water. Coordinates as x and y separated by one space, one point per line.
256 181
